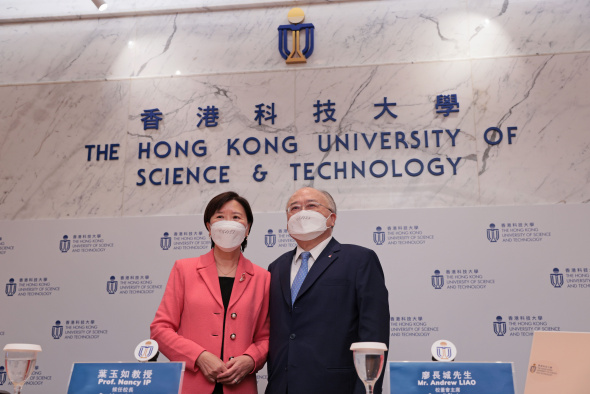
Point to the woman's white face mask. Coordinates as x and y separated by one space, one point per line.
307 225
227 234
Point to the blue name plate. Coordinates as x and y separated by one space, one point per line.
450 377
136 378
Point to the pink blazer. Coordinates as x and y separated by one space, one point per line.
190 319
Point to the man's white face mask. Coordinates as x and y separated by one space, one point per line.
228 235
307 225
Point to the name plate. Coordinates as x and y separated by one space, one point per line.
136 378
450 377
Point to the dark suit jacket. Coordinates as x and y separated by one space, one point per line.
342 300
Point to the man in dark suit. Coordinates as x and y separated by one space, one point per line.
324 296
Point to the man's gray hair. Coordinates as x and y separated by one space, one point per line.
330 200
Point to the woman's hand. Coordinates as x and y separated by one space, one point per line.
237 368
211 366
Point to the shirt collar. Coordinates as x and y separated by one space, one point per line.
316 251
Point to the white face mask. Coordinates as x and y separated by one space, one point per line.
307 225
228 235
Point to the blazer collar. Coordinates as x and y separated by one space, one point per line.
208 270
325 259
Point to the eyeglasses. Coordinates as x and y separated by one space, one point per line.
308 206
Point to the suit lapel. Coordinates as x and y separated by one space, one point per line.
326 258
284 268
208 271
244 274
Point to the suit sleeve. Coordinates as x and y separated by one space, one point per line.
373 304
258 350
164 328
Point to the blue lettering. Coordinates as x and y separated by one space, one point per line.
307 171
190 174
274 147
100 152
176 176
369 144
223 174
414 161
140 174
292 145
400 138
339 142
385 139
453 135
295 166
437 133
152 176
257 144
394 174
511 134
202 151
231 145
384 168
454 164
417 144
337 170
326 163
327 148
359 170
167 152
494 130
439 167
146 150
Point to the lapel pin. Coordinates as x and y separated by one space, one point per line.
330 256
243 277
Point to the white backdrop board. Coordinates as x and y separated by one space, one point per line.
484 278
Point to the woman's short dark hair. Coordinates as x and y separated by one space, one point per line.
219 201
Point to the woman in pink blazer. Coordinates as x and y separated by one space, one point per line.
214 312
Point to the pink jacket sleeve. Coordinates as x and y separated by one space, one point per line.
164 328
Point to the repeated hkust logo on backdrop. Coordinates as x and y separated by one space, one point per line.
132 284
521 325
516 232
30 287
185 240
5 247
2 375
279 239
461 279
574 278
38 378
77 330
85 243
411 326
401 235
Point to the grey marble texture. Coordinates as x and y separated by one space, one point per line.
67 84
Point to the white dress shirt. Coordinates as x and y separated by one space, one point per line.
315 253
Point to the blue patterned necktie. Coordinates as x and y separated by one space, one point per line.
301 274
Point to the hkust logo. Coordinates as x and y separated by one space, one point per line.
499 327
112 285
493 233
270 239
296 55
556 278
2 376
438 281
165 241
379 236
64 244
10 288
57 331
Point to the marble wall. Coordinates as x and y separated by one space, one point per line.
66 84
